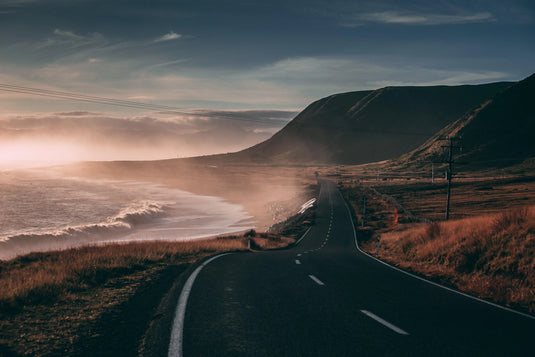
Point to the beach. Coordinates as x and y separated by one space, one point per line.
45 210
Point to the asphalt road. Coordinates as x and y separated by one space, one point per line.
326 298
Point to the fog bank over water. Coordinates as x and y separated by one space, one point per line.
97 136
44 211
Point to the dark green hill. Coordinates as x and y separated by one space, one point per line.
367 126
499 133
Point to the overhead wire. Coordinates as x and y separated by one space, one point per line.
83 97
122 103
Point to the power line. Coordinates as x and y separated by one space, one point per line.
117 102
82 97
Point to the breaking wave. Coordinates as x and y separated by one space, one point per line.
136 214
139 212
44 211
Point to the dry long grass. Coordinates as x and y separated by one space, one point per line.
42 277
492 256
59 303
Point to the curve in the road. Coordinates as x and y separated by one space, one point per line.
324 297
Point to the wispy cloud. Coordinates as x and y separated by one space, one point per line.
72 40
332 75
169 37
170 63
12 5
418 19
15 2
68 35
289 83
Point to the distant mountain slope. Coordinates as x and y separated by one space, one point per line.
501 132
368 126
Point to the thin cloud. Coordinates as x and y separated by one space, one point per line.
13 5
73 40
417 19
67 34
76 113
169 37
436 77
170 63
15 2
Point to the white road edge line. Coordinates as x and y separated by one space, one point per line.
385 323
297 261
425 280
304 235
316 280
177 332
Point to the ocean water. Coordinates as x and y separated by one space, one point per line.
42 211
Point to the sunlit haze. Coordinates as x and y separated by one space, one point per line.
94 136
237 71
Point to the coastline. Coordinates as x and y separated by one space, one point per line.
51 219
85 308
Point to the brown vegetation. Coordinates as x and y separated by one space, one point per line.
472 193
63 303
489 251
491 256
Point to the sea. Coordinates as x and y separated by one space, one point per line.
42 210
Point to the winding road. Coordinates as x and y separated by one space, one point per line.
325 297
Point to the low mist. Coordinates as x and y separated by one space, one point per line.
91 136
268 193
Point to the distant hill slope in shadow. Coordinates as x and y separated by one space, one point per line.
499 133
367 126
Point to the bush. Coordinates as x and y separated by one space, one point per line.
251 233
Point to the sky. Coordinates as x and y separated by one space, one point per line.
234 72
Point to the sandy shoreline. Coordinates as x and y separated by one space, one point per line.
268 193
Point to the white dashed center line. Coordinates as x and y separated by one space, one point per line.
316 280
297 261
384 322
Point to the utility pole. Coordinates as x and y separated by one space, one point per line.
449 173
363 209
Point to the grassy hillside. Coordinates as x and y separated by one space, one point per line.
489 256
498 133
488 249
367 126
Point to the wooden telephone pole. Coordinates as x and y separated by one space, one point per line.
449 173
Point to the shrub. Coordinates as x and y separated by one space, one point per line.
251 233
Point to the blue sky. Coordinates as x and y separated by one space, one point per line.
213 56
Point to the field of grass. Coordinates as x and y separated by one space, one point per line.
488 249
98 300
79 301
490 256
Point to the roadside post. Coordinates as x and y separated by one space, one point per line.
363 209
378 244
